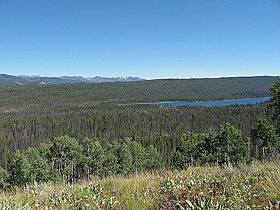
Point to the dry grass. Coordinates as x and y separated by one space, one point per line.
254 186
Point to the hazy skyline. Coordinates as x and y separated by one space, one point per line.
147 39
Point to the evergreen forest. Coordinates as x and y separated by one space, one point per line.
66 133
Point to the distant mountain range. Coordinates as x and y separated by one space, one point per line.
6 79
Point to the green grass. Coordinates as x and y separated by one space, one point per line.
254 186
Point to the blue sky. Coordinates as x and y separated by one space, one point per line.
144 38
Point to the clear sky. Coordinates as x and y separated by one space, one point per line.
144 38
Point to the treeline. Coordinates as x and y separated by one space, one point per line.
41 97
65 159
228 146
158 125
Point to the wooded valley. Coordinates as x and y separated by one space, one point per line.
70 132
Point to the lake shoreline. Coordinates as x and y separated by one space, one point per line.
198 101
217 101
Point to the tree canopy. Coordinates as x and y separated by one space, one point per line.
274 104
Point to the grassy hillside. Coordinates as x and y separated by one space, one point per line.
254 186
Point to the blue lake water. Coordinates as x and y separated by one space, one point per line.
215 103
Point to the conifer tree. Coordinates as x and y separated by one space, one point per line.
111 163
138 154
210 148
231 146
125 158
263 140
274 103
153 160
189 150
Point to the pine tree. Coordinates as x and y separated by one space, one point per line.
274 103
231 146
263 139
188 150
153 160
125 159
138 154
111 164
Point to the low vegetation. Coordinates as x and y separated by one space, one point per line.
254 186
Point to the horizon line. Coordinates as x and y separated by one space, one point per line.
195 77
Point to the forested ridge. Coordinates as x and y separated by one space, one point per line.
73 131
40 97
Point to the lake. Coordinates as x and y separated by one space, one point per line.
215 103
